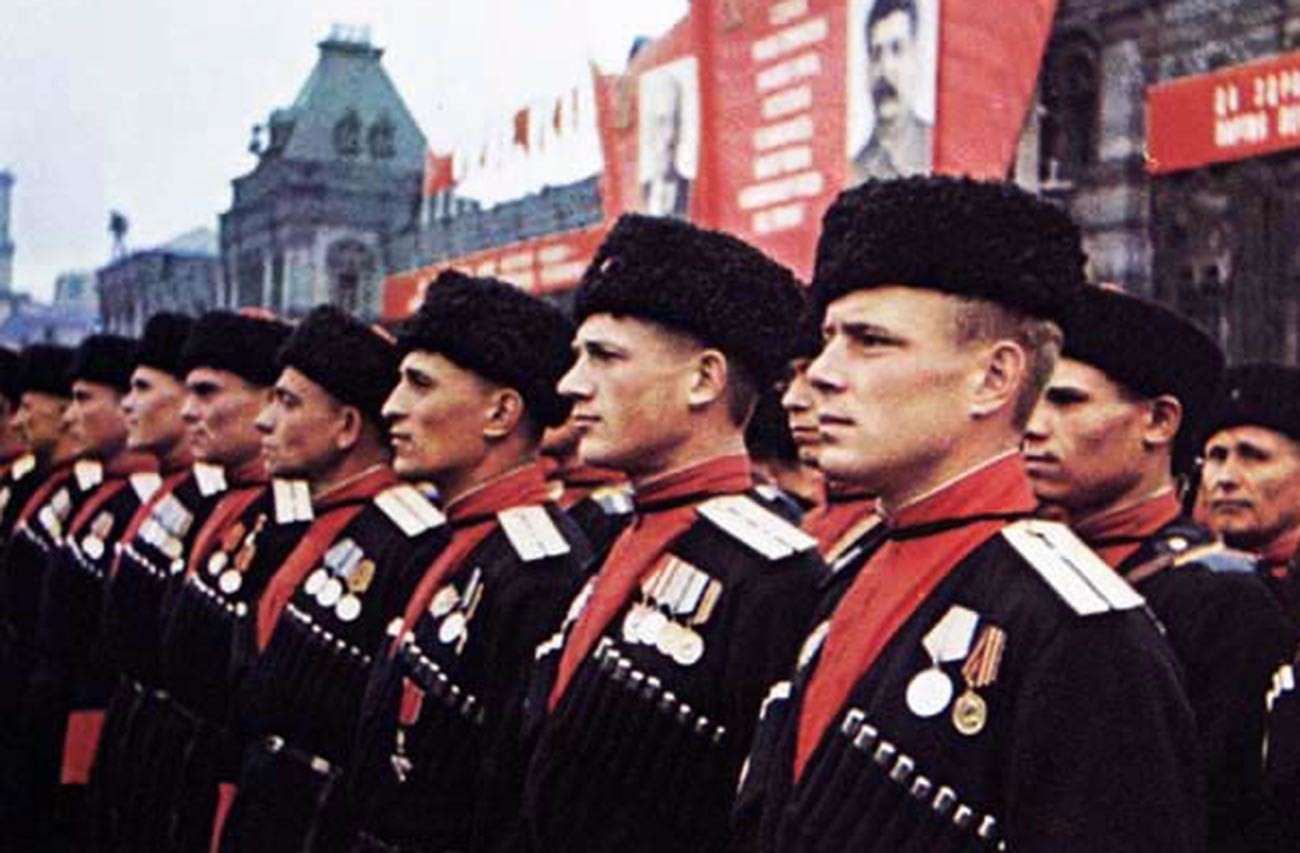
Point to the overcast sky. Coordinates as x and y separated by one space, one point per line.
146 106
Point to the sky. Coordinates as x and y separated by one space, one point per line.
146 106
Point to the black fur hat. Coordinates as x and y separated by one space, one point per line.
1148 349
164 338
105 360
10 386
499 332
1262 395
44 368
347 358
707 284
977 239
245 346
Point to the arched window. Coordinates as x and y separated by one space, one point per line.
380 139
347 134
1071 107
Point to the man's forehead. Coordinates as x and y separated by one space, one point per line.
891 306
1252 436
892 27
211 377
628 332
1078 375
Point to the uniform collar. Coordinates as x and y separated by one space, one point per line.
996 487
721 475
519 486
361 487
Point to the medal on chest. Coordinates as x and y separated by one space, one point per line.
931 689
675 601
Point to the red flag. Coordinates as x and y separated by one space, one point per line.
438 176
988 66
557 115
521 129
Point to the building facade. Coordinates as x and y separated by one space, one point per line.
183 275
338 175
1219 241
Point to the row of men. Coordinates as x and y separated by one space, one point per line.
310 589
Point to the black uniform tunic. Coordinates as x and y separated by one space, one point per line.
440 763
1026 697
38 532
353 571
150 564
1229 634
208 642
644 703
600 502
20 481
70 675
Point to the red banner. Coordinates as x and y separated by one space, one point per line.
751 115
545 265
1232 114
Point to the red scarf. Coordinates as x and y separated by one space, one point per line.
473 516
1118 534
841 514
580 481
898 578
118 470
333 510
639 547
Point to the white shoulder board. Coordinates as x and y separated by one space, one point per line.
23 466
1071 568
145 484
211 478
409 510
532 533
757 527
292 499
89 474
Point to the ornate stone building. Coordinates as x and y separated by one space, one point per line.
1220 241
182 275
338 174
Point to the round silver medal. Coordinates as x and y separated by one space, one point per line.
330 593
230 581
650 625
689 648
451 628
315 582
668 638
444 601
217 563
632 624
348 608
929 692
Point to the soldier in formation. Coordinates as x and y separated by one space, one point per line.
501 583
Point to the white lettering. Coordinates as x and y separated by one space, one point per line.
780 218
786 102
787 11
775 135
790 39
783 74
782 162
786 189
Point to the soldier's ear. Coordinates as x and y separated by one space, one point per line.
998 378
708 378
351 429
1164 417
504 413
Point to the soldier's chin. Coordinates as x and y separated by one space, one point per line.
848 468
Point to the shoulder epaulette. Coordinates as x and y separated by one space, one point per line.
409 510
756 527
1218 557
89 473
145 483
1071 569
533 533
22 466
614 500
210 478
292 500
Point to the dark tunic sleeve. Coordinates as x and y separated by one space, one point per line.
1125 780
